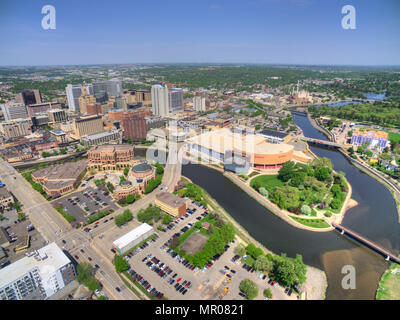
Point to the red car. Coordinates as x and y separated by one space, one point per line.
178 280
97 222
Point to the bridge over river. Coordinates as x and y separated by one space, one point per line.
324 143
368 243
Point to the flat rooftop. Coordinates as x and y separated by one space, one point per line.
170 199
67 171
4 193
224 139
132 235
50 256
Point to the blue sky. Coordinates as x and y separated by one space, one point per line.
223 31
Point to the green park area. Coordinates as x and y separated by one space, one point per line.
202 242
389 286
284 270
193 192
304 188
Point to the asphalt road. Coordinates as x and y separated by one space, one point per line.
54 228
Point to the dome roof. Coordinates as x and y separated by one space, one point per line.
141 167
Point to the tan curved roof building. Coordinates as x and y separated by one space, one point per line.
262 153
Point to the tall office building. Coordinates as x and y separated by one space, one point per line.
57 115
160 99
39 275
112 87
74 91
175 99
42 107
28 97
12 111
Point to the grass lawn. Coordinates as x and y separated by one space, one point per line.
268 180
313 223
394 137
389 286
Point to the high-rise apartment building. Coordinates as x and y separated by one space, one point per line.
28 97
199 103
160 99
134 128
13 111
166 100
38 275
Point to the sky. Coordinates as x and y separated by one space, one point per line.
200 31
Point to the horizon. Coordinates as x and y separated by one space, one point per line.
271 32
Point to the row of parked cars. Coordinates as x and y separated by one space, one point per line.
155 265
140 248
145 284
163 271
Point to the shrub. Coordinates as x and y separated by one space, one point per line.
305 209
264 192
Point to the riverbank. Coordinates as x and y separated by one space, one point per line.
389 286
320 224
316 280
363 167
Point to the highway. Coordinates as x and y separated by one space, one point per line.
54 228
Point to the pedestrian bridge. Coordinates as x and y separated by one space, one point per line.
366 242
325 143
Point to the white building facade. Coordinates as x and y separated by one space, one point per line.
39 274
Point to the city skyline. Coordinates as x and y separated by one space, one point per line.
299 32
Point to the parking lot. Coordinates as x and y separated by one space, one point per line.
164 271
18 232
168 274
85 203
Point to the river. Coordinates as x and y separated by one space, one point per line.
375 217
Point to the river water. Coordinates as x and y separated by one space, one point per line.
375 217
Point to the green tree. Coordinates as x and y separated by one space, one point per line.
21 216
267 293
250 288
127 215
263 264
287 271
120 264
130 198
17 206
126 171
305 209
166 219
